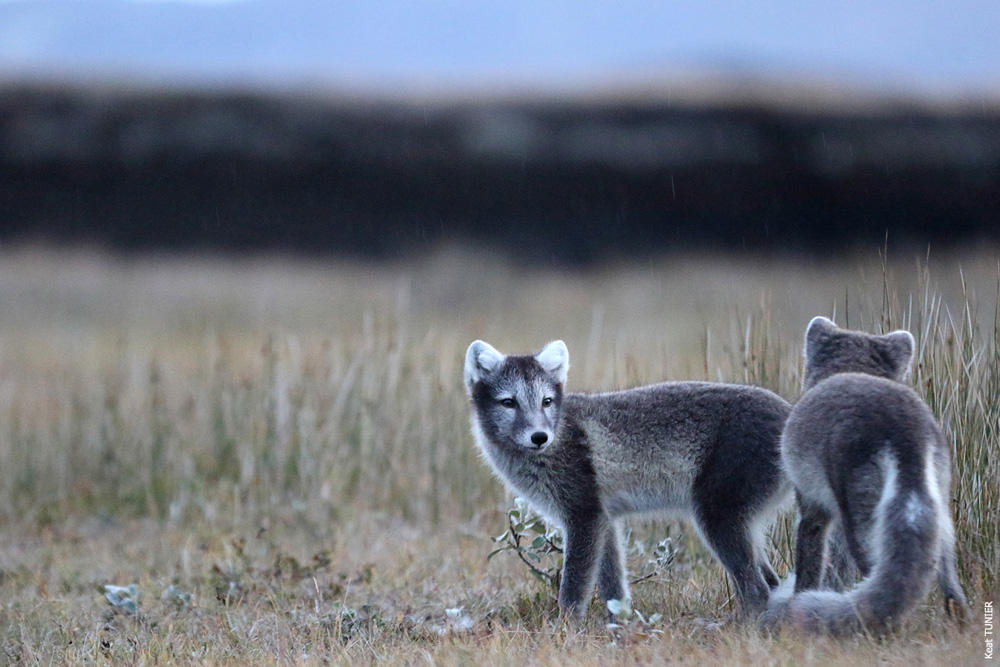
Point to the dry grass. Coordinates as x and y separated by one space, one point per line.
287 443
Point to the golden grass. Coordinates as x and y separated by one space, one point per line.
288 444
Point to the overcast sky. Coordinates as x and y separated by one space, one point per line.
918 45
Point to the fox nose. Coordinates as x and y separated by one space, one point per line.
539 438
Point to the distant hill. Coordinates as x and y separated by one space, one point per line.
561 178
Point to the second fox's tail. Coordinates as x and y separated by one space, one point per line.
903 562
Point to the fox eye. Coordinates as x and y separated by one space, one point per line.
508 402
547 401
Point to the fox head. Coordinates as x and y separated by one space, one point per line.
517 400
831 350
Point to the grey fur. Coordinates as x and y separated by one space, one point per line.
866 456
702 451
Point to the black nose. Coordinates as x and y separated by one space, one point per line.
539 438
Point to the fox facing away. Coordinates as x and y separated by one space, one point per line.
703 451
865 454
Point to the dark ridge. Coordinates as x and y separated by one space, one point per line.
559 181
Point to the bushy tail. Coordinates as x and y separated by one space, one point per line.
903 563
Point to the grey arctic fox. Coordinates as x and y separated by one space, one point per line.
703 451
865 453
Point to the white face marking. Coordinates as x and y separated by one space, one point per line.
522 412
515 398
533 421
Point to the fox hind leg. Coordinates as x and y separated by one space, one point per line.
766 571
840 572
733 544
759 537
810 544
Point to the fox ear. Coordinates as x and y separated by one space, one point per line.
554 358
480 359
818 329
900 346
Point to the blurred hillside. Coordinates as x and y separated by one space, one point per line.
562 178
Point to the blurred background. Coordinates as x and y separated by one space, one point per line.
571 133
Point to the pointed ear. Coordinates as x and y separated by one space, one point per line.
900 346
818 329
554 358
480 359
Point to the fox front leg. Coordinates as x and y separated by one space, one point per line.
611 581
586 534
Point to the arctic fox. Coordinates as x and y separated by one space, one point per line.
704 451
864 453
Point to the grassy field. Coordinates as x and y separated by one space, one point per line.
276 454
